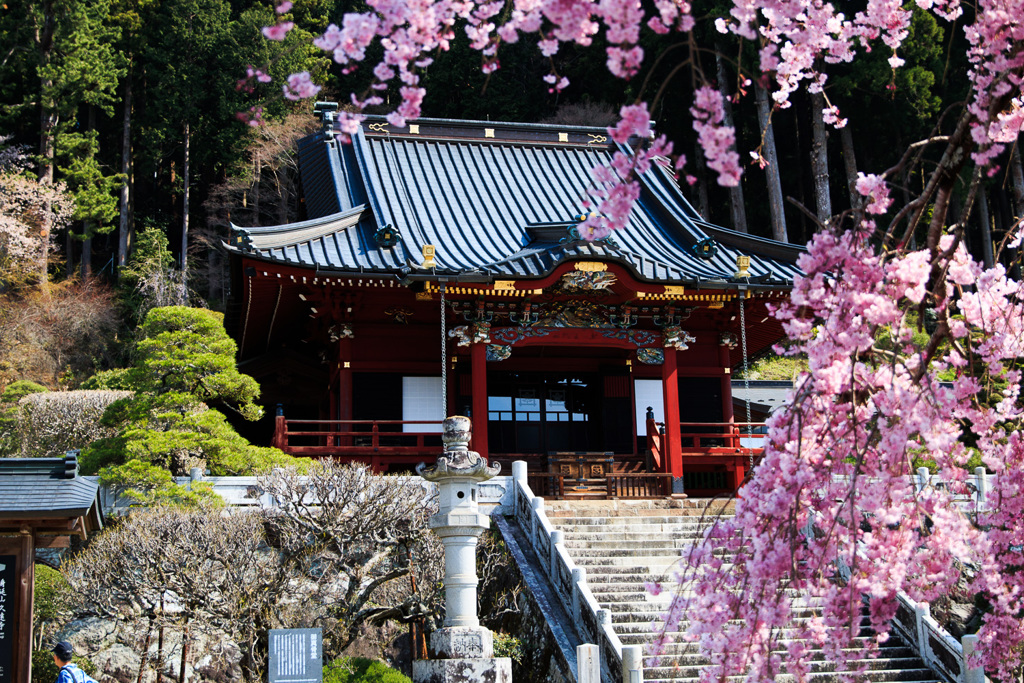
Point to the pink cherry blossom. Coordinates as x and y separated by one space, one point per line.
874 188
635 120
278 30
716 139
300 86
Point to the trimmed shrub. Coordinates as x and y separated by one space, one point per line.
506 645
52 423
362 670
15 391
146 484
10 441
50 595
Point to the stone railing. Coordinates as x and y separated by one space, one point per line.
978 485
940 651
937 648
493 496
568 581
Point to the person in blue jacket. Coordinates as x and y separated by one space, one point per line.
69 671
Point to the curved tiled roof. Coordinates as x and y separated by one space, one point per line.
476 191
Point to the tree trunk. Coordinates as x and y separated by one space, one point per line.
185 198
737 205
87 256
703 203
124 222
819 158
160 653
986 226
69 252
258 178
185 648
1010 212
850 162
772 169
213 275
47 131
1017 173
145 653
88 227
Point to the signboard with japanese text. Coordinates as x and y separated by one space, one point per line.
296 656
8 617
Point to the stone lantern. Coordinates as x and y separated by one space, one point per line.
462 649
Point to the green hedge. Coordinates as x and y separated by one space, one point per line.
362 670
51 592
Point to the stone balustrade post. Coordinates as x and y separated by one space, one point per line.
921 612
632 664
972 674
557 538
518 477
981 478
538 508
588 663
579 575
923 478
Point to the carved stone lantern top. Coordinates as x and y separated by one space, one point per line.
457 460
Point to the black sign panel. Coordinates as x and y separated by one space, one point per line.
296 656
8 616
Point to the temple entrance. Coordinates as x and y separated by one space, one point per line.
532 412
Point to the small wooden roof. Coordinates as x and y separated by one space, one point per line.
48 496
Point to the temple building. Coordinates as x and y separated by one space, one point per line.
440 271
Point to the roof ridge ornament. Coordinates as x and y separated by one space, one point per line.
742 267
572 233
328 113
706 249
387 237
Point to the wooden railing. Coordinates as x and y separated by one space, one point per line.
704 436
639 485
697 438
547 485
355 437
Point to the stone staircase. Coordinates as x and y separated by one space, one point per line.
623 544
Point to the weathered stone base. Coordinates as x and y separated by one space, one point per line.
462 642
495 670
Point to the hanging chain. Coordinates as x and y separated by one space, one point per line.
746 373
444 354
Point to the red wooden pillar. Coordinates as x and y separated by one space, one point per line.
479 369
738 472
727 410
343 391
670 387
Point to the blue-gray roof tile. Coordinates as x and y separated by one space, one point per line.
476 191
